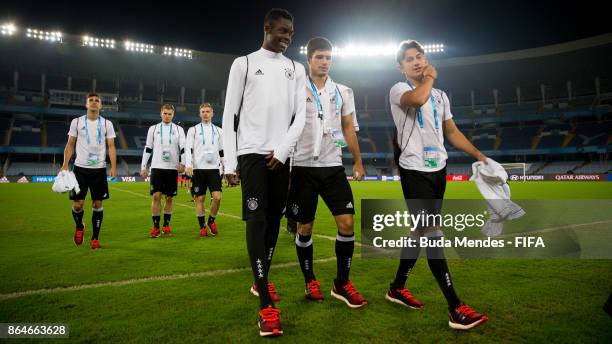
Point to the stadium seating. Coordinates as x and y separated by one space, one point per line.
573 128
33 168
135 136
5 125
594 167
26 133
56 133
592 134
459 169
559 167
553 136
518 137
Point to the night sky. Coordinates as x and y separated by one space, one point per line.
465 27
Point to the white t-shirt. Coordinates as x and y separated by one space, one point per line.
168 144
420 145
206 140
91 142
274 92
319 135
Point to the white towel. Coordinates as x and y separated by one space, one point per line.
65 181
491 180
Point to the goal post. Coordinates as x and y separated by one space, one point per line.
517 168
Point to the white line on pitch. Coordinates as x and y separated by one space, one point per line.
143 280
177 203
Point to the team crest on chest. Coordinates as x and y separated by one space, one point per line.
289 74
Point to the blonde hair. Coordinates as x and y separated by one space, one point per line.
167 107
208 105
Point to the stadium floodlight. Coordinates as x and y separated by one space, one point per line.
434 48
89 41
139 47
186 53
367 50
8 29
51 36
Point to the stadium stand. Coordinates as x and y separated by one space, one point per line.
523 109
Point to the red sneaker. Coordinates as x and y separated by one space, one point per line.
465 318
213 228
78 236
155 233
203 232
404 298
95 244
167 230
348 295
269 322
313 291
274 296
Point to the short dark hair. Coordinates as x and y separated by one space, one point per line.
317 43
405 45
275 14
92 94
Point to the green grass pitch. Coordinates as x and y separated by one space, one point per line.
184 289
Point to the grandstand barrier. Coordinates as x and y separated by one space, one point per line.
489 153
76 98
55 112
451 177
562 177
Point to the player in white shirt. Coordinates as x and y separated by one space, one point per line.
263 118
204 156
166 142
91 134
423 119
318 171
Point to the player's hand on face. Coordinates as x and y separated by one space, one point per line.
144 173
431 71
273 163
358 172
189 171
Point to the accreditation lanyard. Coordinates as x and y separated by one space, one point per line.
161 133
318 100
87 131
433 107
212 134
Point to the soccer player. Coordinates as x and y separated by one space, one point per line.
263 118
423 119
166 142
91 134
318 170
204 153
